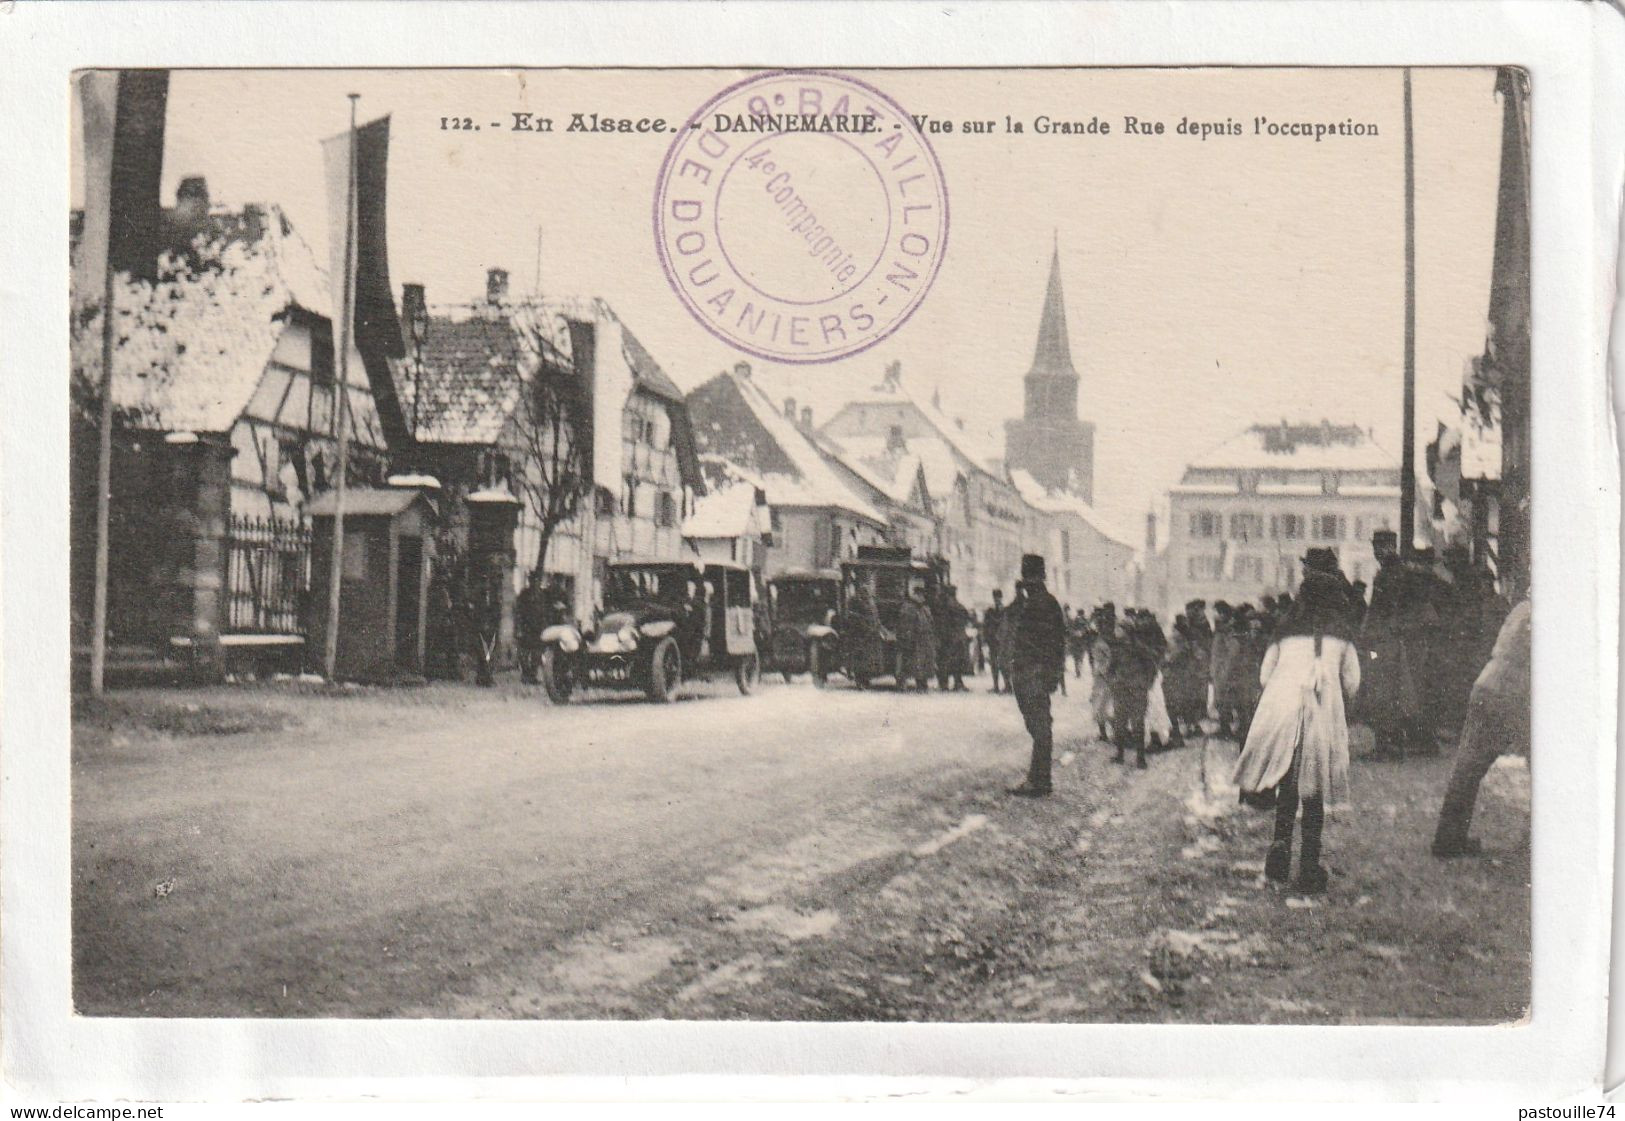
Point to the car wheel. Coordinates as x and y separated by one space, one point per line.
558 676
747 672
665 671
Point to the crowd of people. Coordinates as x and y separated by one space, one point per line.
1432 651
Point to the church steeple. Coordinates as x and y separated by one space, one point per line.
1052 382
1049 442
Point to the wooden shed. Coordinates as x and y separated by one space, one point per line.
384 592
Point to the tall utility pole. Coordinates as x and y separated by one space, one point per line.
342 407
1407 455
104 489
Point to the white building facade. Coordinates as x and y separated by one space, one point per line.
1244 514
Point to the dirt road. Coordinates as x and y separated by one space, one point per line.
798 854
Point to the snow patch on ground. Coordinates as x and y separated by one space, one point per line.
788 923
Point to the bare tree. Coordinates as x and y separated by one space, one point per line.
552 426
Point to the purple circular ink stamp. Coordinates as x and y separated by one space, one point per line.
800 216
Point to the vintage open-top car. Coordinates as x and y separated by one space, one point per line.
805 605
664 622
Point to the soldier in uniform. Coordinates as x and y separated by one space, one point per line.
1391 640
992 620
1222 666
1135 660
916 642
860 630
1037 665
527 613
952 652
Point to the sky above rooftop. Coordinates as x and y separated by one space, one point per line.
1209 284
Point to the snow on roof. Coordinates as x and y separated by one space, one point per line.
979 447
1302 490
815 482
1037 496
365 501
726 512
1206 488
193 346
1299 447
933 454
892 474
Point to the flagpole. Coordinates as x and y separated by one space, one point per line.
104 481
1407 468
342 405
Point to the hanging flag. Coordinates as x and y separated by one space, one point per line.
123 131
377 329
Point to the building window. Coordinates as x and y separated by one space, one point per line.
321 353
665 509
1246 527
1288 527
1203 568
1249 569
1205 523
835 543
495 469
603 502
1328 527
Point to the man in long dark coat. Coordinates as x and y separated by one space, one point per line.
528 609
1226 650
1135 661
1037 665
1392 639
860 637
916 642
952 650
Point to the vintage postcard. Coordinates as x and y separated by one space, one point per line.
812 544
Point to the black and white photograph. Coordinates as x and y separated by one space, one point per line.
524 567
822 552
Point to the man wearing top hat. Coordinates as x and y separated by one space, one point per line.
1038 662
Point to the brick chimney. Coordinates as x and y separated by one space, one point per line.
895 444
1150 533
806 417
414 314
191 209
742 370
496 285
790 409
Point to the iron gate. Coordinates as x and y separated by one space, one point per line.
268 576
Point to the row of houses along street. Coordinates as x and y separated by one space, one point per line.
466 419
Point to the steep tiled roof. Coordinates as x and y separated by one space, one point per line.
468 381
475 358
192 346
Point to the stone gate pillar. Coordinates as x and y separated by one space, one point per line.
200 511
